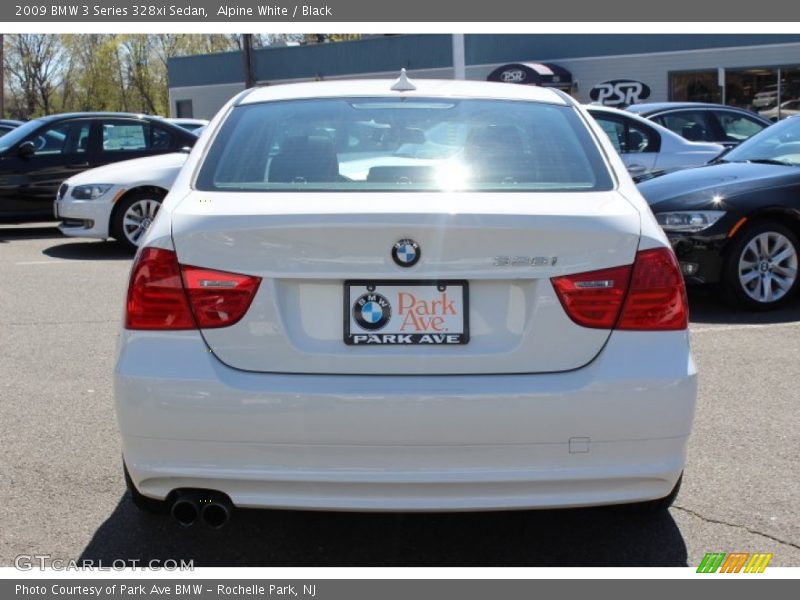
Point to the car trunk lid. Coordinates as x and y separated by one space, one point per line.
493 253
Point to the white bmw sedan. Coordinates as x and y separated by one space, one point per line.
117 201
368 295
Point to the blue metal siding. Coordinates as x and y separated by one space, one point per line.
324 60
489 49
205 69
388 54
361 56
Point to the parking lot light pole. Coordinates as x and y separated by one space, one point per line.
459 63
247 55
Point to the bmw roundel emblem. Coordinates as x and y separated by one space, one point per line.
406 253
372 311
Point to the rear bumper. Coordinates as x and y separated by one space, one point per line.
614 431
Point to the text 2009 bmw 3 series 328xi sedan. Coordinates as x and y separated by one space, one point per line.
363 295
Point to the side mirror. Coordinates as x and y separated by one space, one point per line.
26 149
718 158
186 149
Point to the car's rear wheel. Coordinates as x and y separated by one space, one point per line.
134 215
141 502
760 271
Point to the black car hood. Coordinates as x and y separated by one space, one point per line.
695 188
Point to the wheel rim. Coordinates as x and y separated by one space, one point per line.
768 267
138 218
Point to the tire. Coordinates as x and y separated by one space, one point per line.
143 503
751 278
133 215
655 506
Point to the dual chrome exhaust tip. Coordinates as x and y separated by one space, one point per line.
211 507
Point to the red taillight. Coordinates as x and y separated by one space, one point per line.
593 299
165 295
218 298
646 296
656 299
156 299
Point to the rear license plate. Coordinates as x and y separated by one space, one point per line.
399 312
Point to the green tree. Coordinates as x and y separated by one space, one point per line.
92 76
34 65
114 72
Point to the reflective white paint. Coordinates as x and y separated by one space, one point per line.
412 443
454 438
151 171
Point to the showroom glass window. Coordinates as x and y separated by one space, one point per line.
695 86
184 109
771 91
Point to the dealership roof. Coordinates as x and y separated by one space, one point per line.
431 51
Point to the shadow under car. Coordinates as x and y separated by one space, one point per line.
572 537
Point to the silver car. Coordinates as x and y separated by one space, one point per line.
646 146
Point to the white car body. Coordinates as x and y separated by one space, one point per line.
276 411
189 124
789 108
675 153
92 218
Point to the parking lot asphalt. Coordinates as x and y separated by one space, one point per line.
62 491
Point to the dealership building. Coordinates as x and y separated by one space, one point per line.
755 71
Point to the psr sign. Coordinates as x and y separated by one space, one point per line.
619 92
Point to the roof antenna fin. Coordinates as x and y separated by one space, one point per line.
403 83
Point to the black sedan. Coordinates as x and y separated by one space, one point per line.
737 222
7 125
38 155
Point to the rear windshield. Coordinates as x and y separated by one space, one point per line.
403 144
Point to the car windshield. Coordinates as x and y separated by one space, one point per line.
403 144
778 144
18 134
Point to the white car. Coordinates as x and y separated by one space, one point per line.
646 146
490 321
119 200
790 108
188 124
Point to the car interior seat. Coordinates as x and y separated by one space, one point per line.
310 158
636 141
496 153
694 132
